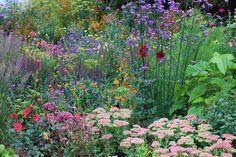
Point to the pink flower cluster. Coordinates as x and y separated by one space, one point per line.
107 124
131 140
51 49
181 137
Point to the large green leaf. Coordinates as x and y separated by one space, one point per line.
198 100
218 60
177 105
194 70
197 109
179 91
197 92
222 61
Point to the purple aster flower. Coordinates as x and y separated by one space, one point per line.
205 33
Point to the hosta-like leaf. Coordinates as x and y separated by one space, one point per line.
197 109
177 105
197 92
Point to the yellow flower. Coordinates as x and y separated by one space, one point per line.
66 84
122 99
93 84
116 82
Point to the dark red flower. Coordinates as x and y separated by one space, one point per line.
143 51
81 114
174 29
35 117
13 115
160 55
221 10
17 126
38 64
26 111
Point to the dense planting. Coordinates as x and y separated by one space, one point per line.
103 78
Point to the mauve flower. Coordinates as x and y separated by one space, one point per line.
144 67
64 115
50 106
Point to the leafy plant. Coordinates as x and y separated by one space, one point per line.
206 83
222 115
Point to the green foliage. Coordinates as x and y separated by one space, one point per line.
222 115
206 83
6 152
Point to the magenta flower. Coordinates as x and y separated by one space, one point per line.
50 106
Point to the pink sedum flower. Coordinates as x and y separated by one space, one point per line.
229 137
120 123
155 144
137 141
107 136
104 122
161 151
226 155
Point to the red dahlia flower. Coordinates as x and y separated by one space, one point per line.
17 126
160 55
26 111
35 117
143 51
13 115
